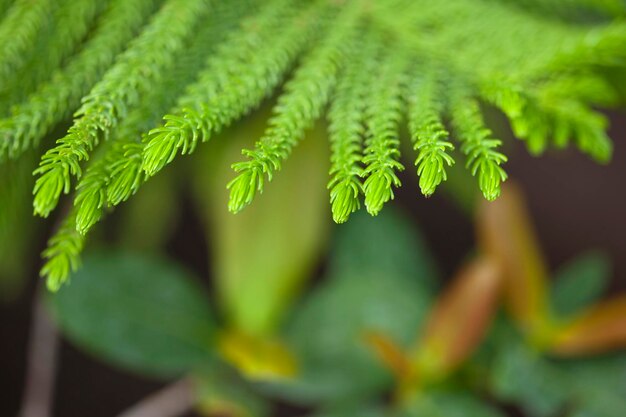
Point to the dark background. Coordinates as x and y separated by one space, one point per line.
576 204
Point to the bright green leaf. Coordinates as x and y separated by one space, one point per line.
263 255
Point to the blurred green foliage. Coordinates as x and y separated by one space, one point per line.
141 313
147 315
580 283
380 278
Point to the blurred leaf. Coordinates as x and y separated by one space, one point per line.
377 282
580 283
459 321
390 354
139 313
545 387
386 244
360 410
599 386
448 404
600 328
222 393
262 256
506 235
520 375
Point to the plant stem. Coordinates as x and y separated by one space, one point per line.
41 365
171 401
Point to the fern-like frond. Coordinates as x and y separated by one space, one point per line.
55 100
586 126
384 112
62 256
301 104
346 129
428 133
237 79
125 158
116 174
555 113
483 159
69 24
121 87
90 199
18 33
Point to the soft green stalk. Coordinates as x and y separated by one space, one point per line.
71 22
483 160
346 128
56 99
107 103
301 104
18 33
384 113
240 75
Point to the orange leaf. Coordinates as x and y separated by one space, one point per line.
389 353
459 320
505 234
599 329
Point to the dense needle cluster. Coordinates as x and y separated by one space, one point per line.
146 81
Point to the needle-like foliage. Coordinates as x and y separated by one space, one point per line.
298 107
483 159
383 116
63 253
134 72
429 135
55 100
18 33
55 43
346 129
243 72
154 79
102 186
